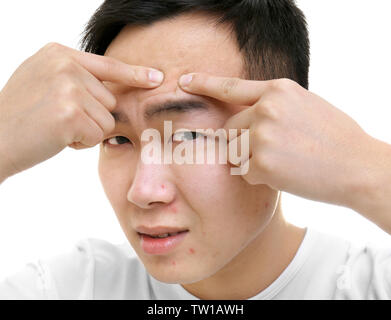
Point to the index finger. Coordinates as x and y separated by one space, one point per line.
230 90
109 69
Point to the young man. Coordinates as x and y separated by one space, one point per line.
198 230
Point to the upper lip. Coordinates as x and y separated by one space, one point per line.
158 230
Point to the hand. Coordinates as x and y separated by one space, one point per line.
56 98
299 143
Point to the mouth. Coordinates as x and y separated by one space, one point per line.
160 240
161 236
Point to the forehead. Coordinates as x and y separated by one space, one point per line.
187 43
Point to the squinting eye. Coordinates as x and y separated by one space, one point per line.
117 140
186 135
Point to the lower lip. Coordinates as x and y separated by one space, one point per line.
161 245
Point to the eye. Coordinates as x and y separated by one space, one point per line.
117 140
186 135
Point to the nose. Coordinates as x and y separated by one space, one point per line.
151 186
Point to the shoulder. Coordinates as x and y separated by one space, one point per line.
357 270
333 267
98 269
90 269
366 273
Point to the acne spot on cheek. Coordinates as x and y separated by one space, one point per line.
173 208
163 186
173 263
266 205
192 251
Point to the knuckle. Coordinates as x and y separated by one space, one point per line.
262 107
93 137
108 65
283 84
270 110
52 48
69 113
263 135
70 91
228 85
97 137
108 102
110 125
136 75
64 66
263 162
267 108
251 179
112 102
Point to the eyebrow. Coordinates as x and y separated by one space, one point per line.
174 106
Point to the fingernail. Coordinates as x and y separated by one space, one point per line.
155 76
185 80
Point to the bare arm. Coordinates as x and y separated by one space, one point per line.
301 144
371 190
57 98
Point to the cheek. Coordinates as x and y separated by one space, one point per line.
204 185
229 213
222 200
115 176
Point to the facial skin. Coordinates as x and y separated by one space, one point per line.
235 229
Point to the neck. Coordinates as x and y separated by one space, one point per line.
256 267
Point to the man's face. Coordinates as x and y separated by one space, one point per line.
220 212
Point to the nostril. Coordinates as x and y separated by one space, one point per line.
155 203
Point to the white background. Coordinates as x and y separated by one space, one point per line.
45 210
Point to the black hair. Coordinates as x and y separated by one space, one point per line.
272 35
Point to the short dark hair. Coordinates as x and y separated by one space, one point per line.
271 34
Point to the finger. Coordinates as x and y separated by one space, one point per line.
88 133
109 69
239 149
252 174
230 90
249 173
98 113
240 120
78 146
98 90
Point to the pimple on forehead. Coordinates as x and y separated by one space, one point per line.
186 43
161 94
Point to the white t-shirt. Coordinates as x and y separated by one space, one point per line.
324 267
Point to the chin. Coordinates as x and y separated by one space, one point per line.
185 274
